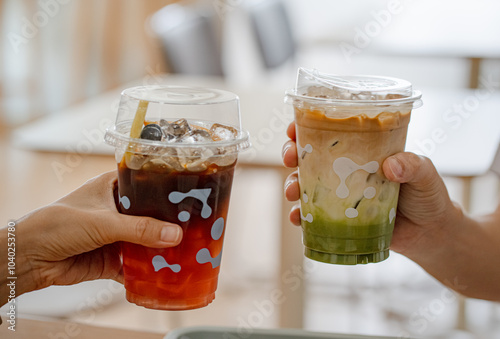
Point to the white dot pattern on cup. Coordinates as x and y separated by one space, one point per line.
308 217
392 214
125 201
369 192
351 212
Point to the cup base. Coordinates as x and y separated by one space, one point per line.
169 304
346 259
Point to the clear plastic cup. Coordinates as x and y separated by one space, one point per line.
184 178
346 127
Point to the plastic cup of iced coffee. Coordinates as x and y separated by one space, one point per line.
346 127
176 149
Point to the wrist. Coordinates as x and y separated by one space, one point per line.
435 247
16 272
461 253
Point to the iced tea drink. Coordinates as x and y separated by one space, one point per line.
178 170
346 127
187 282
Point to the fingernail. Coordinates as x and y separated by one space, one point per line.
170 234
285 149
288 182
395 167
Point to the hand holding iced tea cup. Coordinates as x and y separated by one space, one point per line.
176 149
346 126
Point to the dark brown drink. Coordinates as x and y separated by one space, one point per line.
193 282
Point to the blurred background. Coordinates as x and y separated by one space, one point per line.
59 54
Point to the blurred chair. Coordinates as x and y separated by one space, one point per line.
273 31
189 39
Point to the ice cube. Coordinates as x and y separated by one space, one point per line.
225 160
119 155
196 136
157 163
167 130
197 166
135 161
178 128
194 159
222 132
173 162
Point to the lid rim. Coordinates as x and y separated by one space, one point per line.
232 96
414 98
114 138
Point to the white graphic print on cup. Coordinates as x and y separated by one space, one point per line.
159 262
200 194
203 256
344 167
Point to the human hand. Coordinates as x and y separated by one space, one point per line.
76 238
430 229
424 207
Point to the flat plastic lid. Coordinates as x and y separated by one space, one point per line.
180 95
350 90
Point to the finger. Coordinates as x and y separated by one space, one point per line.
292 191
412 169
289 154
144 231
423 197
295 215
290 131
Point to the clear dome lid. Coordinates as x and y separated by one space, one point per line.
201 107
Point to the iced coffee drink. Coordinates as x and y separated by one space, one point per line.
346 127
176 159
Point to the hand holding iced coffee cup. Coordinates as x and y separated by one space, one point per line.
346 127
176 148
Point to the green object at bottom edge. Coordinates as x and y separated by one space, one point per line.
346 259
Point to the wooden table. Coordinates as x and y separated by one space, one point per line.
31 329
29 177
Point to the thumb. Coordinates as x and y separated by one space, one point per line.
144 231
423 193
412 169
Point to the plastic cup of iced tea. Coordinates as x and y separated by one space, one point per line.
346 126
176 149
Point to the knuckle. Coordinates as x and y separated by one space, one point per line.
141 228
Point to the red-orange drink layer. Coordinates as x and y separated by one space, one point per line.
185 276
